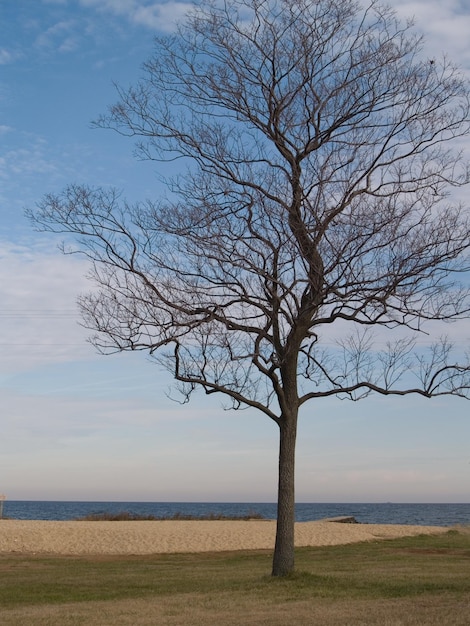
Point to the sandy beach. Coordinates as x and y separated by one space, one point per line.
157 537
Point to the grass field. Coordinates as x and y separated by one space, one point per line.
416 581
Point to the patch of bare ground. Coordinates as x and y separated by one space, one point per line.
172 536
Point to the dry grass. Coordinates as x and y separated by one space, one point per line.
418 581
126 516
192 610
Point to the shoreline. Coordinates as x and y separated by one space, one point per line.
193 536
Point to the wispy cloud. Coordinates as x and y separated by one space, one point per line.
60 36
7 57
154 15
25 162
161 16
31 165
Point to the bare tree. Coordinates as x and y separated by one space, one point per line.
315 150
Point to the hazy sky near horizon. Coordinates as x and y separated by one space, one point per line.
78 426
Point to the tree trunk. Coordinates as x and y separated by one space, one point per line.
283 560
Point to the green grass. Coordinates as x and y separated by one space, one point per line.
406 581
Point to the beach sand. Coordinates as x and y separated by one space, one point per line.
158 537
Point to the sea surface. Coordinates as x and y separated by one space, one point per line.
383 513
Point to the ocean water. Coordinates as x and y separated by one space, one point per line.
382 513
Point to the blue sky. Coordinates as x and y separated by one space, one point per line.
75 425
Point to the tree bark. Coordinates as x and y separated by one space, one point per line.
283 560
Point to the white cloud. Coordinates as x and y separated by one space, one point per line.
445 24
161 16
153 15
